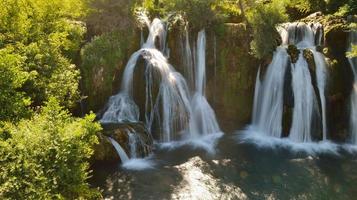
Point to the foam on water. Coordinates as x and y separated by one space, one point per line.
139 164
206 142
252 135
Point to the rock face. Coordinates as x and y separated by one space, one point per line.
230 71
104 151
231 76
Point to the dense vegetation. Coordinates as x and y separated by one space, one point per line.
51 49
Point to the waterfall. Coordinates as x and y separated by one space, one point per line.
133 142
321 76
123 157
269 96
353 114
256 103
204 119
201 63
188 60
169 107
269 92
305 102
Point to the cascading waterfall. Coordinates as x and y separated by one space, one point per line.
268 108
204 119
123 156
305 102
321 76
171 110
353 114
269 92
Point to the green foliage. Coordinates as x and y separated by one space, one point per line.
264 19
304 7
101 58
12 78
200 13
46 157
47 37
353 52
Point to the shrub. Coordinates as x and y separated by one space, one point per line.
263 19
46 157
101 59
12 78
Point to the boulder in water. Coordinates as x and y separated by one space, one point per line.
104 151
294 53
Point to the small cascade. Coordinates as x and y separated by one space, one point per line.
170 110
188 60
268 111
133 142
136 145
123 156
353 114
204 119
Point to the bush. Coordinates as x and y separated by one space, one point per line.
200 13
263 19
12 78
47 37
101 59
46 157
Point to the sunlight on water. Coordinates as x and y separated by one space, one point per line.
200 184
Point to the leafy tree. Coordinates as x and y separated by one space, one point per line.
101 59
12 78
47 37
263 19
46 157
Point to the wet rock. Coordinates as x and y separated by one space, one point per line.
309 57
293 52
104 151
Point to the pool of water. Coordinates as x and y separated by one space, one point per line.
236 171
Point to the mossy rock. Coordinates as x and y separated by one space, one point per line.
309 57
294 52
104 151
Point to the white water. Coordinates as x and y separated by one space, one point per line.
188 60
305 102
268 109
321 76
203 119
133 142
170 109
353 114
269 92
123 157
132 163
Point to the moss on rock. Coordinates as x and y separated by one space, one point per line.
293 52
104 151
